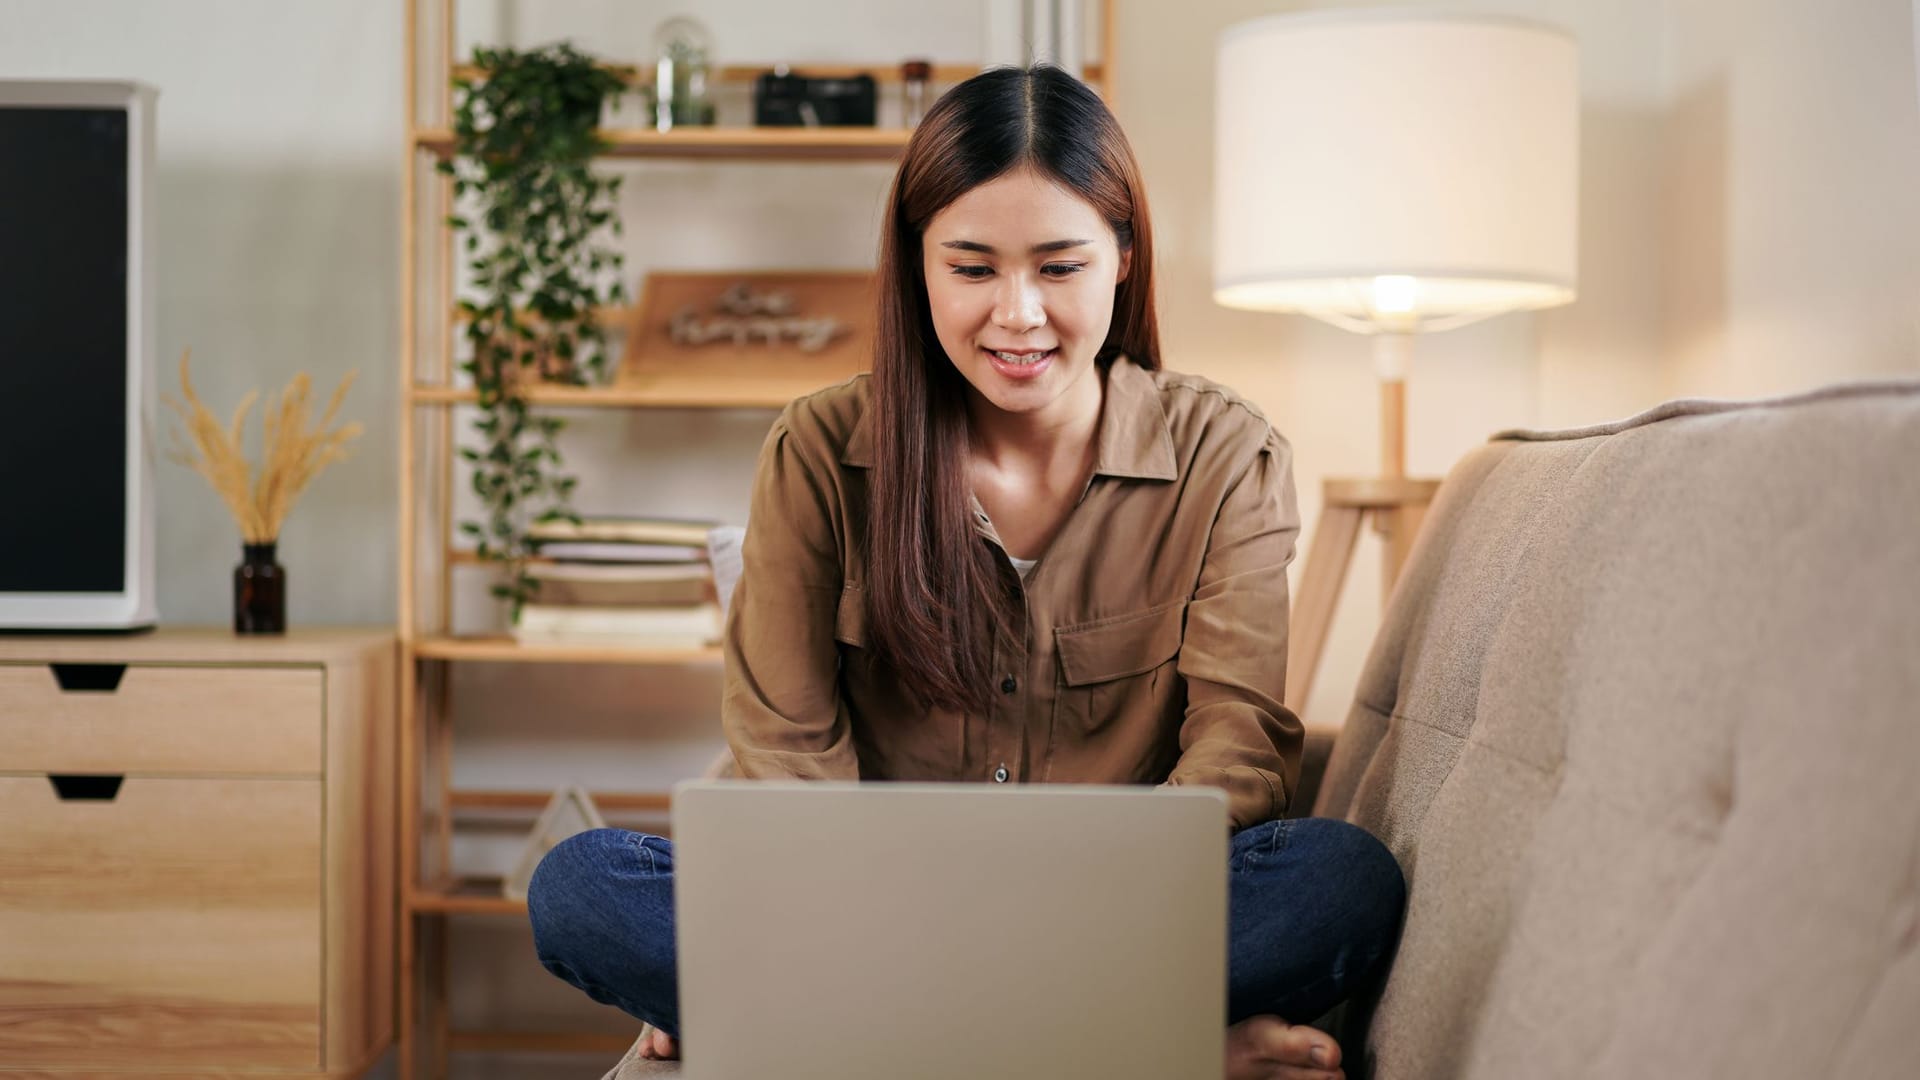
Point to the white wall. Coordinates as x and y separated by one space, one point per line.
1750 224
278 211
1793 228
1594 360
1751 205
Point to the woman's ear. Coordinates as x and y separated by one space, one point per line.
1126 264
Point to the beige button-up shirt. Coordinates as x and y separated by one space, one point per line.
1155 645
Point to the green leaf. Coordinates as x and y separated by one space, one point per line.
524 140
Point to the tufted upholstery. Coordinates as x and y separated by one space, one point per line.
1643 727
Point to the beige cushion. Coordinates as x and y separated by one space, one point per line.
1642 725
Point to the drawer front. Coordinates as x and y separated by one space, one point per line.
203 721
173 925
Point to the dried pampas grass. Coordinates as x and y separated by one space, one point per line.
295 452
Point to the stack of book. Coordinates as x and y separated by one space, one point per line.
640 582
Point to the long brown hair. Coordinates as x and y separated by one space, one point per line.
934 595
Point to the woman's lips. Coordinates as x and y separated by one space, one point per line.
1031 370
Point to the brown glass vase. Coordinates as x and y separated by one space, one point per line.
259 592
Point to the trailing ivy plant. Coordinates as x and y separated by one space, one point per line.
525 135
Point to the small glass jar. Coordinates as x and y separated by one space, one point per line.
259 591
915 76
682 51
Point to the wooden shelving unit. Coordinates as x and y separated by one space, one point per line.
430 891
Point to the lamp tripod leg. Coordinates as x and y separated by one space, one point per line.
1321 580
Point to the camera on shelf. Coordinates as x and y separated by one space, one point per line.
784 99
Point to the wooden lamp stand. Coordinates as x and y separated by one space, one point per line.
1396 503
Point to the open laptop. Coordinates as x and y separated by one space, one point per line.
886 931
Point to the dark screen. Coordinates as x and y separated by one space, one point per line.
63 343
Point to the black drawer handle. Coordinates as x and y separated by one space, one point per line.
94 678
74 787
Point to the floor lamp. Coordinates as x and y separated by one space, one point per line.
1392 173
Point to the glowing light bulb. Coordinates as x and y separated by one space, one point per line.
1395 294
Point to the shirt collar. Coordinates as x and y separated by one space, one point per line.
1134 439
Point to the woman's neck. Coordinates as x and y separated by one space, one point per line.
1060 436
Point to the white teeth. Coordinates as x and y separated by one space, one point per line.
1030 358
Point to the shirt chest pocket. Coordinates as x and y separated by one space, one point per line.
867 682
1120 670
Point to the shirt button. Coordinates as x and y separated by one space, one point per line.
1008 685
1000 775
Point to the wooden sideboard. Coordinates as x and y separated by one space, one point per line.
197 853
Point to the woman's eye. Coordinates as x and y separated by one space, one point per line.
975 271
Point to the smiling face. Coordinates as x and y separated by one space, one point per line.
1020 276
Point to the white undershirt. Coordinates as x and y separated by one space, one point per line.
1022 565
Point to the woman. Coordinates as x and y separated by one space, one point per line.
1020 552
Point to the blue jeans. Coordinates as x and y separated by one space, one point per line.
1314 909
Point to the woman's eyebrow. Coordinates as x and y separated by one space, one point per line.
1037 249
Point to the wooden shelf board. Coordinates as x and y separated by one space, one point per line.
459 556
763 386
466 896
642 75
611 801
547 1041
499 648
769 143
884 74
661 395
470 557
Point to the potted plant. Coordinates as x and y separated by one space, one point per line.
525 135
294 451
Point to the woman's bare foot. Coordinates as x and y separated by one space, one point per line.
1258 1048
657 1045
1269 1048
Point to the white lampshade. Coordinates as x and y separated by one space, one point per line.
1355 150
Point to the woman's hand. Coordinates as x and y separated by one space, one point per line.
1269 1048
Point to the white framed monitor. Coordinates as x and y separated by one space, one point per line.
77 393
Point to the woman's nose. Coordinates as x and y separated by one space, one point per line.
1018 307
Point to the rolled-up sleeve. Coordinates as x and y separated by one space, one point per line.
781 708
1236 734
